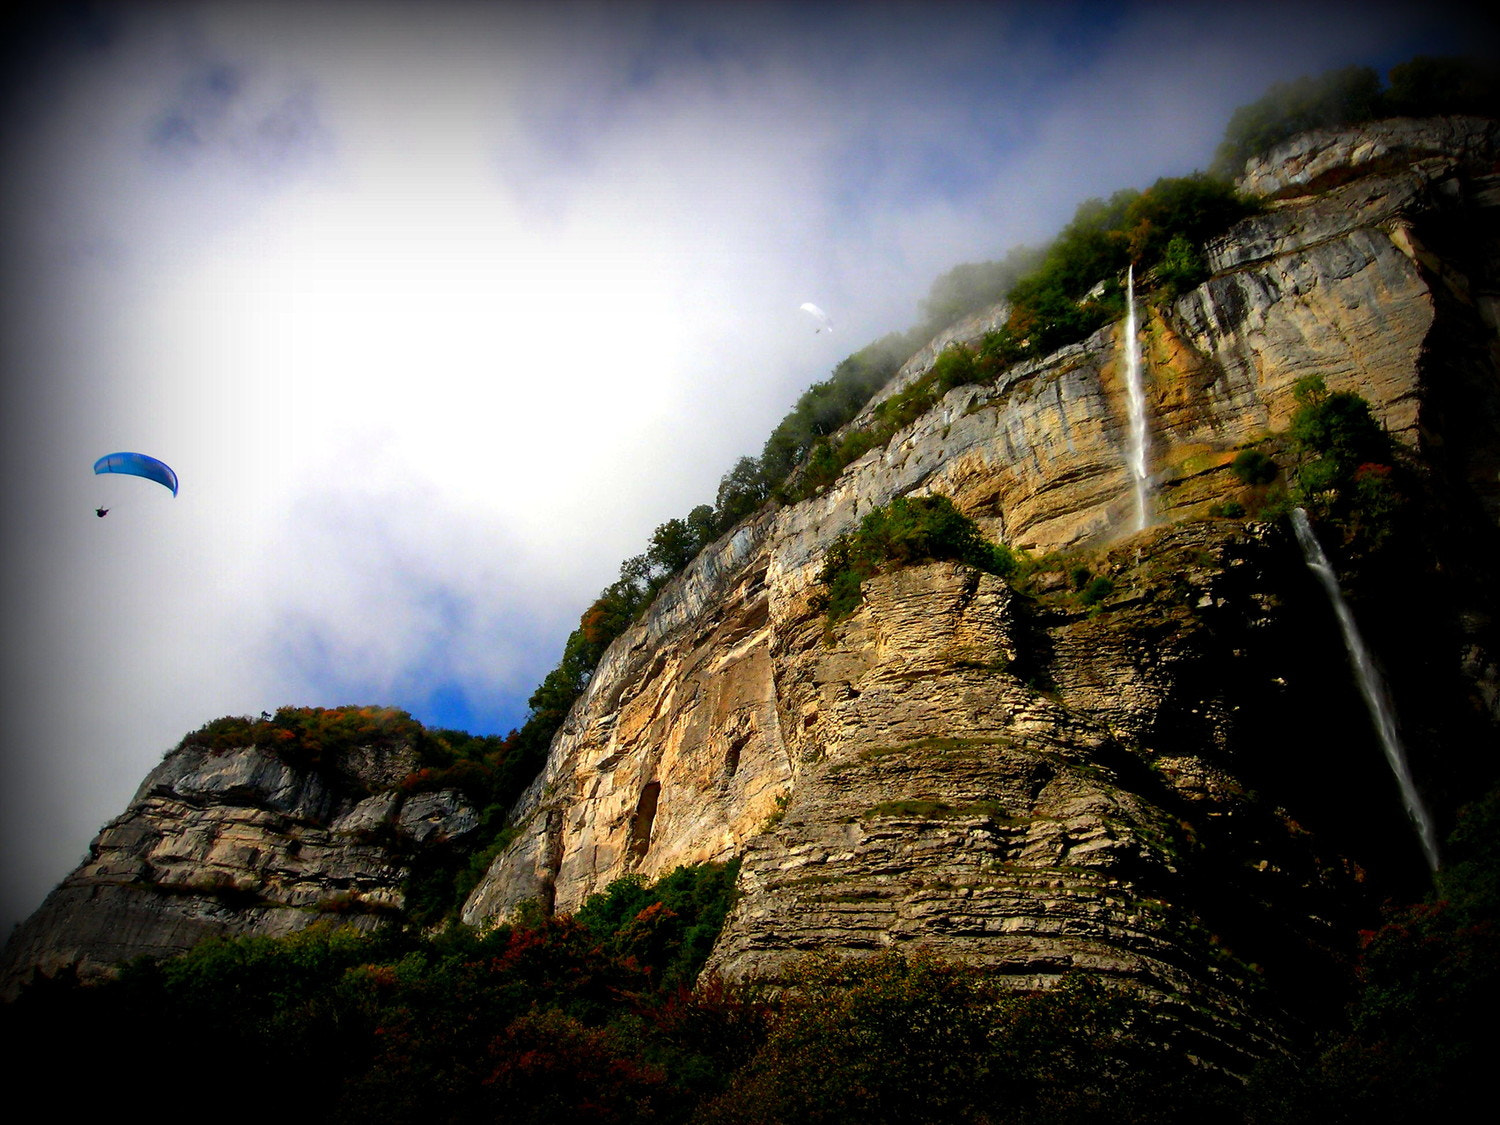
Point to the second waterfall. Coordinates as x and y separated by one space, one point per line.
1137 449
1370 686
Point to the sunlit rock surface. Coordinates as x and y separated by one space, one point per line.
1020 780
232 842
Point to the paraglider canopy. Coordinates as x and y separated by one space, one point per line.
138 465
819 315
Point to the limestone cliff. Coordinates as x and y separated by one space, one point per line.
233 842
1021 780
1175 787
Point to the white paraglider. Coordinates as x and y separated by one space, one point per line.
819 315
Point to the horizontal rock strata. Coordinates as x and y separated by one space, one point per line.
973 770
232 842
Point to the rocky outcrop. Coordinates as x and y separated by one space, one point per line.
1015 780
684 705
968 331
1020 780
1323 158
232 842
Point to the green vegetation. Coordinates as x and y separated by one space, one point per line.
1057 296
930 746
909 530
827 457
1334 98
668 927
1155 230
826 406
1421 87
1336 430
777 814
1067 579
556 1019
972 286
1341 466
548 1021
913 808
923 808
902 1037
1253 467
317 738
306 737
585 1018
1099 587
1348 475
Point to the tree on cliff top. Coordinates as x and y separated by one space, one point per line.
1420 87
907 531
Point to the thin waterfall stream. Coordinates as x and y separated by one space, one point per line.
1136 450
1370 685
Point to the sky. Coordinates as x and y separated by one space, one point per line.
439 309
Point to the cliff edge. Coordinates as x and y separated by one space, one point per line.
1021 780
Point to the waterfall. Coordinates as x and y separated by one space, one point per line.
1370 685
1135 453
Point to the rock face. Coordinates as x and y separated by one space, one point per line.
1322 158
237 842
1021 780
1174 786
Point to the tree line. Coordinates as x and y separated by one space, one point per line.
1420 87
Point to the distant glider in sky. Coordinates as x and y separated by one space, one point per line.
135 465
817 314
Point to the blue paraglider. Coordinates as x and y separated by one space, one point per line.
137 465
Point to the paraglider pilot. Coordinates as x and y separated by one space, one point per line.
135 465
